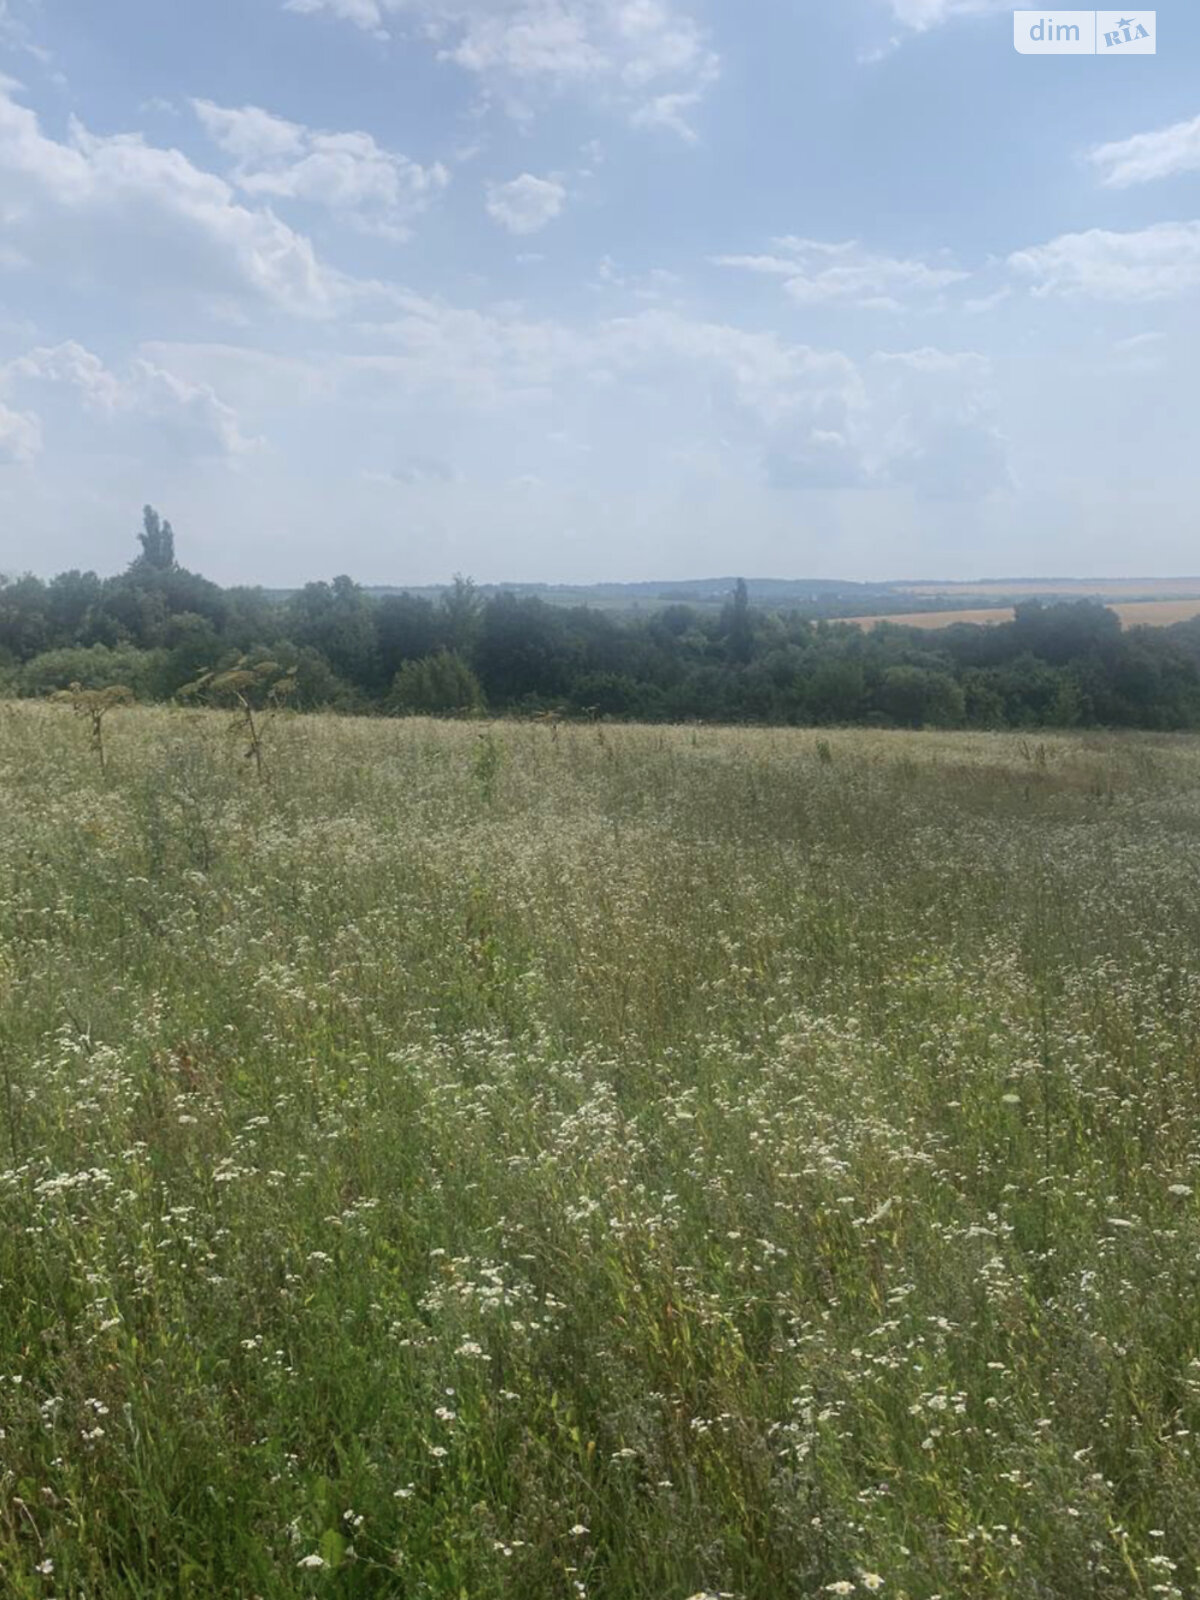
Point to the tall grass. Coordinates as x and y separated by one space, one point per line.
614 1162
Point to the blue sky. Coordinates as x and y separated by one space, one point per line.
595 289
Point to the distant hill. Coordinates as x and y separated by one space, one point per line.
673 590
703 593
819 597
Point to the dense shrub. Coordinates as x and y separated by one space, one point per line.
438 685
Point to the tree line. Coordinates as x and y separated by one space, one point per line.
158 629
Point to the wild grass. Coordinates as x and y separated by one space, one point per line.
597 1161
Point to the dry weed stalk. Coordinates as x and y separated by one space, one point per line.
257 690
95 704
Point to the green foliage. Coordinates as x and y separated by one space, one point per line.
737 624
1055 665
96 668
607 694
917 697
338 621
439 685
461 607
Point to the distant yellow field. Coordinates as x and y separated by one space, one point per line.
1154 613
1158 613
1108 588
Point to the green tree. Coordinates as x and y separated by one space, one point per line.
737 624
338 619
71 598
157 540
524 650
461 606
25 625
407 628
836 690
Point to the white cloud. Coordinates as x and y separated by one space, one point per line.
657 285
936 363
1141 353
17 36
20 437
988 302
1155 263
814 273
248 378
254 137
1148 156
647 55
187 416
1138 342
190 415
69 364
365 14
347 172
670 112
527 204
98 209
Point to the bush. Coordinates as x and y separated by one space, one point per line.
606 694
436 686
917 697
98 667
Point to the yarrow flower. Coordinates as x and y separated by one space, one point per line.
312 1561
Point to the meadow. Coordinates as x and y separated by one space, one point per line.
519 1162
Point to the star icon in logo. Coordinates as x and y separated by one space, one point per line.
1126 22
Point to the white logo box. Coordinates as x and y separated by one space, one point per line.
1085 33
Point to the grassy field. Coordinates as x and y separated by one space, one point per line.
1133 613
532 1163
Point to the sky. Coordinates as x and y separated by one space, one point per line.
595 290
